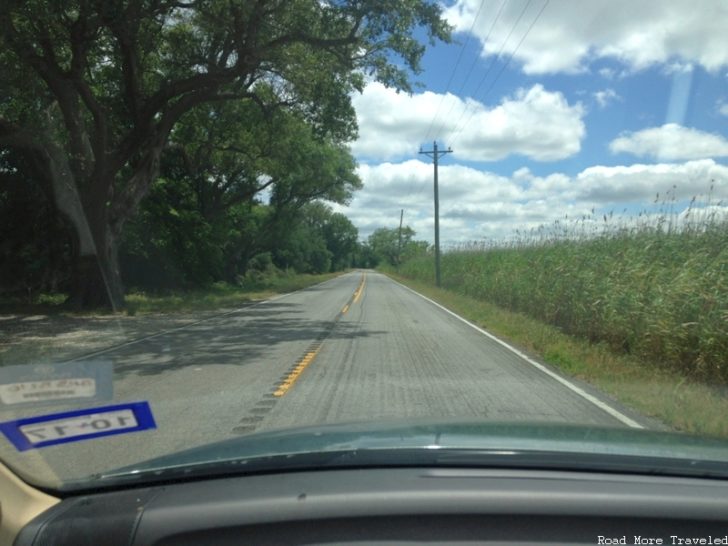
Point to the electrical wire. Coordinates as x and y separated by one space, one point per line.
472 66
492 64
454 70
459 129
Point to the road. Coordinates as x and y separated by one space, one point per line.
358 347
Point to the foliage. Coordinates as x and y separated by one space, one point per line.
96 91
650 290
35 247
652 390
171 244
387 247
220 295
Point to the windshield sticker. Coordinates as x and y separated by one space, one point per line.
74 426
90 381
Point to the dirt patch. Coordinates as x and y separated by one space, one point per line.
38 338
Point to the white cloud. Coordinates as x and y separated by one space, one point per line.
638 34
391 124
534 122
722 108
606 96
671 142
476 204
641 183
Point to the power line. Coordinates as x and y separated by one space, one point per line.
495 59
457 63
472 65
505 65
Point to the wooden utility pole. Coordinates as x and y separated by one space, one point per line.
399 240
435 155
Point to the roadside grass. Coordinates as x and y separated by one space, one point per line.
664 394
221 295
216 296
43 303
655 288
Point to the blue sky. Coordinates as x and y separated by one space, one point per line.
599 107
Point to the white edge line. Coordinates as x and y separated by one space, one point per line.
195 323
569 385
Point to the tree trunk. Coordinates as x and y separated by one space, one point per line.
97 278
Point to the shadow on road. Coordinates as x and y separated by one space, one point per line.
236 340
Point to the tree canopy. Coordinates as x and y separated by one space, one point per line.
95 92
391 247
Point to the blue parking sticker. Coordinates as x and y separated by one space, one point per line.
77 425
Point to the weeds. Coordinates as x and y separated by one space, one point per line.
221 295
653 286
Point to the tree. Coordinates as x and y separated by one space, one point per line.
170 244
364 256
220 158
385 243
35 247
94 89
341 240
317 240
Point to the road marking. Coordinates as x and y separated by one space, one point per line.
359 290
356 296
292 377
568 384
287 382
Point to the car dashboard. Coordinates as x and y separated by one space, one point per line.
407 505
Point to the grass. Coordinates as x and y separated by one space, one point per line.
658 295
663 394
216 296
637 306
221 295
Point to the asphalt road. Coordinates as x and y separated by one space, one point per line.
356 348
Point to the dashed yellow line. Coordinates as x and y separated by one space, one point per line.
359 290
295 374
357 294
309 357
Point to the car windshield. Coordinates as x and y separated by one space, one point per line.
424 229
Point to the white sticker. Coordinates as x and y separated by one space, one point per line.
51 389
81 425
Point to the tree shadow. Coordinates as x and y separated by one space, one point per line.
231 341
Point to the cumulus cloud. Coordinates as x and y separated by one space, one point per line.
535 123
476 204
641 183
671 142
639 34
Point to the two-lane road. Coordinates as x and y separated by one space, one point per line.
359 347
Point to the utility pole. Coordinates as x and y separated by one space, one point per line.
399 241
435 155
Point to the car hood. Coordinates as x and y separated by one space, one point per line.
442 442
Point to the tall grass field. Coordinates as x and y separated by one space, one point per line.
655 287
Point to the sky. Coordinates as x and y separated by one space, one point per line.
554 110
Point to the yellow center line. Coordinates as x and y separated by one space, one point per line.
359 290
295 374
310 356
357 294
